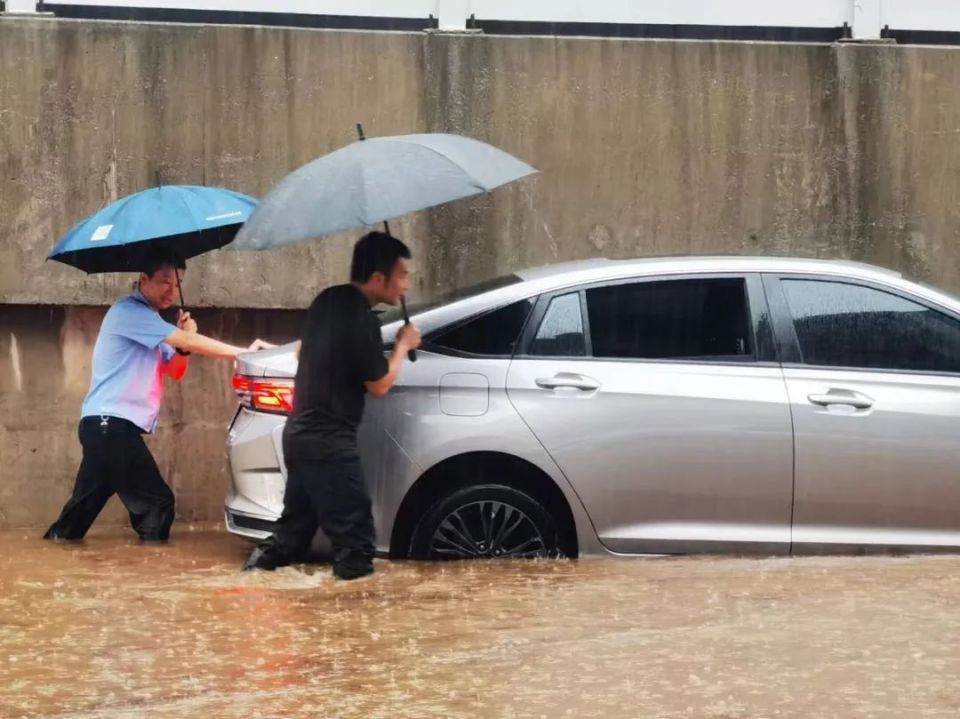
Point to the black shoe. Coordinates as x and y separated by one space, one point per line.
262 560
153 541
53 536
352 566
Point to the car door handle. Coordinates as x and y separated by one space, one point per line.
568 379
856 400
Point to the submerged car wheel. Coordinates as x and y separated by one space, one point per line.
489 521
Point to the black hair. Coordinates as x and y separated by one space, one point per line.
158 259
376 252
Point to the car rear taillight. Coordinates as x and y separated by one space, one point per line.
263 394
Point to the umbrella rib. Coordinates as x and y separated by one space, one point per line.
189 212
366 215
364 200
456 164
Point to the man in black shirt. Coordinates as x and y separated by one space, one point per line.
341 360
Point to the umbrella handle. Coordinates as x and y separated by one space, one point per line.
180 289
412 354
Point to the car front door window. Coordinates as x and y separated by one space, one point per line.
847 325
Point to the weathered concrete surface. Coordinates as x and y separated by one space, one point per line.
645 146
93 110
45 357
112 630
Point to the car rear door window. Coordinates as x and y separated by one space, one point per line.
494 334
682 319
561 332
840 324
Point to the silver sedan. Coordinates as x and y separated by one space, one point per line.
646 407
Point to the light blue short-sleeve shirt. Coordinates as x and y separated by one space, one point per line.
128 361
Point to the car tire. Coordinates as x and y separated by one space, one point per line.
487 521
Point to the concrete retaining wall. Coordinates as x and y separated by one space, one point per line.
645 147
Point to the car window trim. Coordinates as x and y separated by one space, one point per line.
585 321
764 338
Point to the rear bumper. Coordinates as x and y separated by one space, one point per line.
254 500
248 525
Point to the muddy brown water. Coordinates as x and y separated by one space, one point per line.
113 629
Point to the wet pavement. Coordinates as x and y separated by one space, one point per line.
113 629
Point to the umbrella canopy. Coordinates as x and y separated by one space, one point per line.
373 181
187 220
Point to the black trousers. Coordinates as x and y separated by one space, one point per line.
116 461
332 496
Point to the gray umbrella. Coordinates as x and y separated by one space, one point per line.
373 181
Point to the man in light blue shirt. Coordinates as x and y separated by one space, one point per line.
135 350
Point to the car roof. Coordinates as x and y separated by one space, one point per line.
599 269
554 277
559 276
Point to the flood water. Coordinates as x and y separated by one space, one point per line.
113 629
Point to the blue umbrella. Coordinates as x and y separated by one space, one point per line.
184 220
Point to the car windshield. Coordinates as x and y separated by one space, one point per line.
395 314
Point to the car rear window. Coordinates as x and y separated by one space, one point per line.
680 319
494 334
